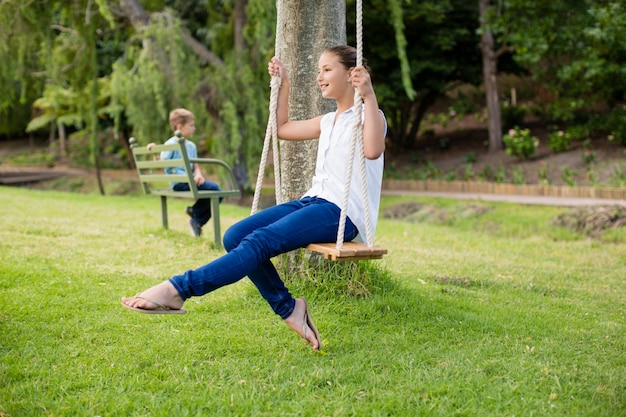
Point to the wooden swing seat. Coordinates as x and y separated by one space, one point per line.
350 251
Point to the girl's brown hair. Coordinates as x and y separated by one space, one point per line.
347 56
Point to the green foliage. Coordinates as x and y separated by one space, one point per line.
581 61
143 72
486 173
471 157
579 132
241 105
228 101
559 141
544 179
618 177
588 157
500 175
397 19
21 43
519 142
613 124
575 49
567 175
440 49
57 105
518 176
600 67
512 115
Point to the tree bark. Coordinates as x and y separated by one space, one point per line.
490 68
308 26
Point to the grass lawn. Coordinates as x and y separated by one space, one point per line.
497 314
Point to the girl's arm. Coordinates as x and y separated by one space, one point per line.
295 129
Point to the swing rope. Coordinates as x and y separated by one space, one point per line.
356 142
271 132
356 146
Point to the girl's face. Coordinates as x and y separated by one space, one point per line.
188 129
332 77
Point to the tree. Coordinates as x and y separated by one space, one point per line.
442 49
65 48
206 67
21 40
148 61
490 70
320 24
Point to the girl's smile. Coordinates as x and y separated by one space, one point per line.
332 77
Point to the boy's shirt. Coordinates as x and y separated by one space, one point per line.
192 152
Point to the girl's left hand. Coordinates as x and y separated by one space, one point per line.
361 81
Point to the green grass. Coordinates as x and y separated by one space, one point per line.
500 314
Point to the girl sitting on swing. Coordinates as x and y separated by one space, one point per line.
252 242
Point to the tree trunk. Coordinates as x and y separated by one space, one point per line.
62 147
308 26
240 22
490 68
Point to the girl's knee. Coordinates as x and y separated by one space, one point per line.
229 240
232 238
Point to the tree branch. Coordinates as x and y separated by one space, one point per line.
503 49
140 18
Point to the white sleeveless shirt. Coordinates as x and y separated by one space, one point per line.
333 153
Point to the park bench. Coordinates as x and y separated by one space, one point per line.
155 181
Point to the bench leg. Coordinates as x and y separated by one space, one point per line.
164 211
215 212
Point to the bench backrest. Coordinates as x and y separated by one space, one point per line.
154 180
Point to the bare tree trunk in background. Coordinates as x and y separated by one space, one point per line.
240 22
490 68
308 26
62 147
51 137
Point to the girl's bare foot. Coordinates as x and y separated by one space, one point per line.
160 299
301 323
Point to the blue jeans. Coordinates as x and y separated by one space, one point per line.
201 210
252 242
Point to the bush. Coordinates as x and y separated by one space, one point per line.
559 141
579 132
512 115
518 142
615 124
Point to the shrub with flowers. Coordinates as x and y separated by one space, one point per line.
559 141
518 142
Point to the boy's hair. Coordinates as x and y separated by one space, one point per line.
347 56
180 117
